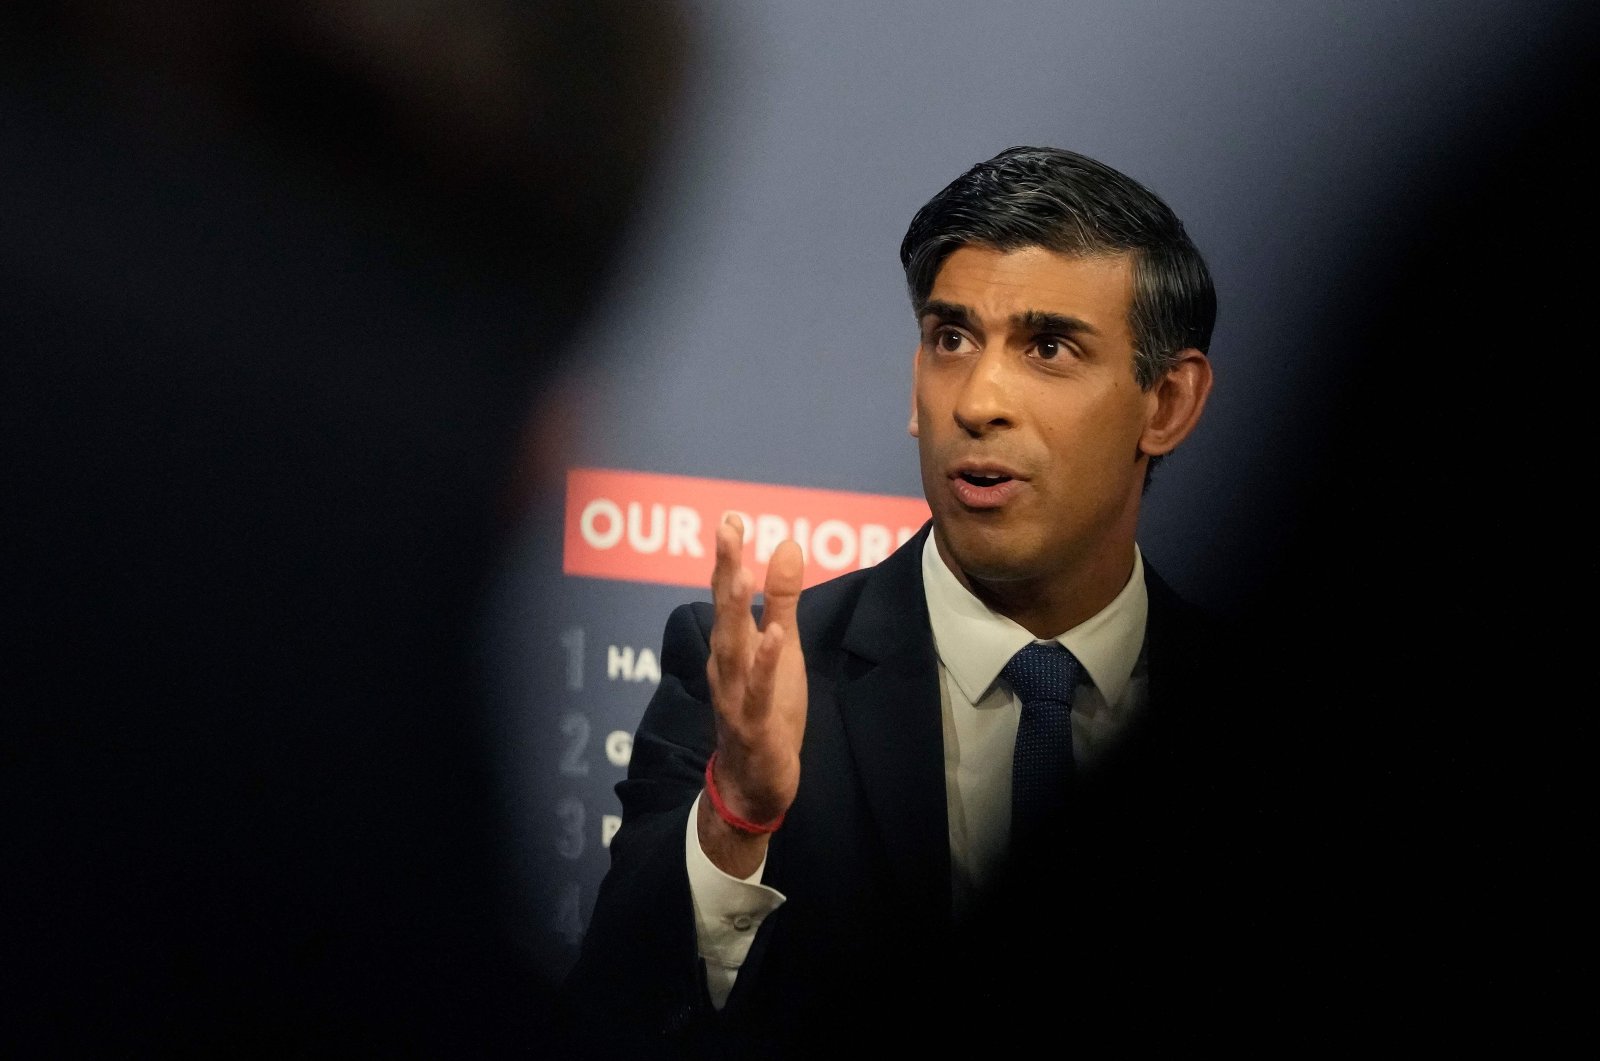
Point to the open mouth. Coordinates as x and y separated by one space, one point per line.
985 489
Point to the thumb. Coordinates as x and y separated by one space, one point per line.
785 575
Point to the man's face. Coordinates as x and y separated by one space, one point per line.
1029 421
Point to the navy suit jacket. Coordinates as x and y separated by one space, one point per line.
866 949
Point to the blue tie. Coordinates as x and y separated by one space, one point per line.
1044 676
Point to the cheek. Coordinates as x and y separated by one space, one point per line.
925 400
1092 444
1117 418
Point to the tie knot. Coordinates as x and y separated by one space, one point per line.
1043 671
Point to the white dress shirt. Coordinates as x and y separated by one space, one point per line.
980 717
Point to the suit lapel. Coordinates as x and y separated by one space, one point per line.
889 702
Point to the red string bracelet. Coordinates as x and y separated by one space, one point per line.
727 815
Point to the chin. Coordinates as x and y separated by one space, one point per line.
988 554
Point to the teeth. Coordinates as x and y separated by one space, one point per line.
983 480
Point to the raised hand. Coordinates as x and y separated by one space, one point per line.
758 689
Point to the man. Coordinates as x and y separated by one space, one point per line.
849 864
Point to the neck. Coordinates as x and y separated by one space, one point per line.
1049 606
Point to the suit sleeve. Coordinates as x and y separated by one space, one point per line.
638 988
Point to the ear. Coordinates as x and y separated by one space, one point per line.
916 365
1176 402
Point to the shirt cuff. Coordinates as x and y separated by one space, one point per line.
727 911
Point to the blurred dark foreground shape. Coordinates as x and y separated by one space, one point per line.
281 286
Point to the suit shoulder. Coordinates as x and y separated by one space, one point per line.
837 594
1180 629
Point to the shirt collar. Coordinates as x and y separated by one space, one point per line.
975 642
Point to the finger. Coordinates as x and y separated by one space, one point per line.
732 633
732 627
730 547
731 590
763 676
785 575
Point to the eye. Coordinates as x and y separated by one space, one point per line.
1050 347
950 341
1056 348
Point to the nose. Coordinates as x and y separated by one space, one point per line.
986 400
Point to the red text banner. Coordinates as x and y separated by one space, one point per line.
645 527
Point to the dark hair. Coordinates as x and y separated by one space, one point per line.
1065 202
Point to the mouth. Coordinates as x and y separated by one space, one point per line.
978 486
983 480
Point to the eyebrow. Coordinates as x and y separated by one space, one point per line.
946 311
1033 320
